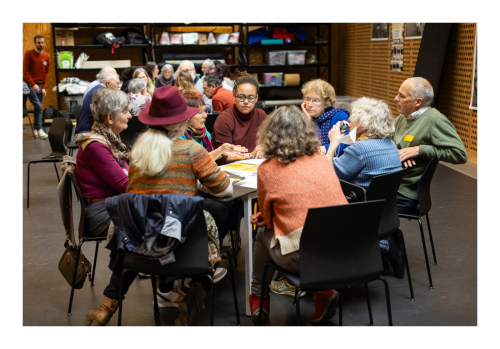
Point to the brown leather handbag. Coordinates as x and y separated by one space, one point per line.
68 260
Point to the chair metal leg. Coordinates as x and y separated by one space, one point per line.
407 265
31 126
238 239
231 272
262 294
120 297
211 300
74 277
369 304
388 300
156 310
430 237
425 253
341 301
57 173
95 263
28 196
297 305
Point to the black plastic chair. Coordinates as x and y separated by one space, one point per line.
352 192
76 109
134 128
70 144
191 261
26 113
210 121
385 187
423 208
339 255
83 239
57 133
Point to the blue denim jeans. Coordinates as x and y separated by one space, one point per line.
36 100
405 204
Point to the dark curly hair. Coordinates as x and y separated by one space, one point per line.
287 134
244 78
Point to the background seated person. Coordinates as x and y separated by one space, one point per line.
374 152
166 78
207 65
295 177
102 159
138 98
222 99
172 166
239 124
142 74
319 98
223 74
152 69
127 76
184 82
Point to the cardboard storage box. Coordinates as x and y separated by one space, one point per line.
292 79
101 64
64 38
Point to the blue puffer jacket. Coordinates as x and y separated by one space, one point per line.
152 225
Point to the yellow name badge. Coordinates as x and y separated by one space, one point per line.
408 138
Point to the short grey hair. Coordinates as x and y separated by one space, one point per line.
209 62
167 67
135 86
421 88
107 69
179 67
212 80
109 77
108 101
374 115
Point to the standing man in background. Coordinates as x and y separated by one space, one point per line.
35 73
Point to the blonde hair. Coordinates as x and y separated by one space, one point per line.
287 134
152 151
323 88
375 116
149 86
184 82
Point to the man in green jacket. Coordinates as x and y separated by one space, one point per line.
422 133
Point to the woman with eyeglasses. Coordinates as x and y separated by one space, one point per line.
239 124
319 98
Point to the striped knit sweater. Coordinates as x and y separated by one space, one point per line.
286 192
190 161
366 159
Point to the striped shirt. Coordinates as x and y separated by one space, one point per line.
366 159
190 161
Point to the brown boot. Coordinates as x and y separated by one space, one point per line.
190 304
101 316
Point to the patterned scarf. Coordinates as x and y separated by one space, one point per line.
165 82
201 134
103 134
323 123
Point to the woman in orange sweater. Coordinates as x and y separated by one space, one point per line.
295 177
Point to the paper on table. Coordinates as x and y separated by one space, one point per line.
249 182
252 161
241 167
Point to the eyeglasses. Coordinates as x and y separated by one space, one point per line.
250 98
315 101
206 110
187 70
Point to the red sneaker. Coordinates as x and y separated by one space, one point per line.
254 309
325 303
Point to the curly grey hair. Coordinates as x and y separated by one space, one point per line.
374 115
421 88
108 101
167 67
135 86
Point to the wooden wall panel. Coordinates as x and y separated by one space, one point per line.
362 69
29 32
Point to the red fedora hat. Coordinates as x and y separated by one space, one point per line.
167 107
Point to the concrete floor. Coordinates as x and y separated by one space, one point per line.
452 302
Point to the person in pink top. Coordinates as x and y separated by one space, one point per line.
296 176
102 159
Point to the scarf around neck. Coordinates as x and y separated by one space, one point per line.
323 123
165 82
201 134
103 134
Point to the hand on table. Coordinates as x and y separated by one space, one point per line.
234 151
257 220
258 153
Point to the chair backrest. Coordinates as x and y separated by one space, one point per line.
76 109
352 192
210 121
385 187
49 113
134 128
191 257
339 245
57 134
424 187
69 134
25 109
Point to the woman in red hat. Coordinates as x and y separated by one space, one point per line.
161 163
